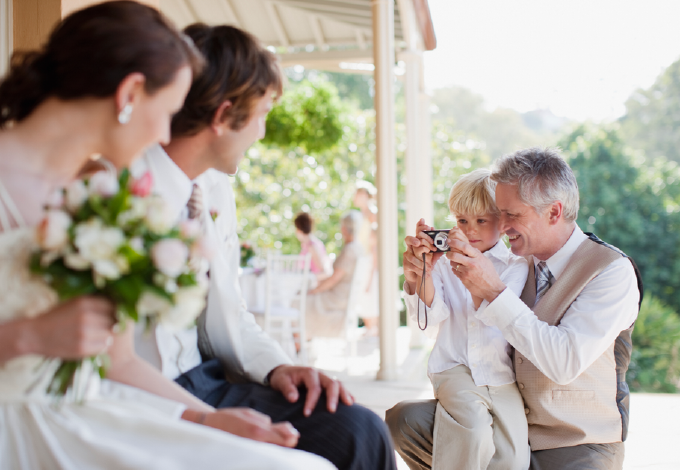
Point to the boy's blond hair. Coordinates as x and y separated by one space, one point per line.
474 193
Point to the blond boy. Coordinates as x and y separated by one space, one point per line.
480 421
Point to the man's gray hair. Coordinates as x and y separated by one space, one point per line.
352 221
542 178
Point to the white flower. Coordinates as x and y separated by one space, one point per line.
95 242
76 195
107 269
151 304
104 184
137 244
52 232
77 262
189 303
158 216
136 211
170 256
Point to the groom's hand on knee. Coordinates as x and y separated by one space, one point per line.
251 424
286 379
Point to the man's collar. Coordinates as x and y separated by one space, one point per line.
170 182
557 262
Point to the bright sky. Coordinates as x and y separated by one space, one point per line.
579 58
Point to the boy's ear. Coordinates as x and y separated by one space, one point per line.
219 123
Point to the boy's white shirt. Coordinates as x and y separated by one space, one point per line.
461 338
234 335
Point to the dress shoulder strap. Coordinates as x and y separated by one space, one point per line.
8 211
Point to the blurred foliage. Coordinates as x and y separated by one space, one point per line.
652 120
625 200
309 116
498 132
654 365
276 182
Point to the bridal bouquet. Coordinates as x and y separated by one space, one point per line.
109 236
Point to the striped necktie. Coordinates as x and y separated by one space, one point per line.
195 210
544 279
195 205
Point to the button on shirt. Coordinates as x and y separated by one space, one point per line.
462 339
605 307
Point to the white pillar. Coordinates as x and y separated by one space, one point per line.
6 20
425 156
386 178
416 197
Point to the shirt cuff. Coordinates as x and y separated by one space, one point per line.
504 310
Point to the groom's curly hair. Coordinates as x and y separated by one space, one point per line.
239 69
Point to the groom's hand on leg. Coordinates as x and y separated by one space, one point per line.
286 379
251 424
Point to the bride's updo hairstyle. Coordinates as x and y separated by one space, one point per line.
90 53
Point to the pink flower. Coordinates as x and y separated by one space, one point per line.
170 256
104 184
142 186
190 228
52 232
56 199
204 248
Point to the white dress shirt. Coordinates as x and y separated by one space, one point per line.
462 339
235 337
605 307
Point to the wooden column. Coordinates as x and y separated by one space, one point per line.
386 178
33 20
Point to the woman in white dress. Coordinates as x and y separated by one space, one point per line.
367 236
107 82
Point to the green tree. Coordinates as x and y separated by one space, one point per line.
309 116
625 201
655 366
652 119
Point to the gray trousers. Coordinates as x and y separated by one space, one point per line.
411 424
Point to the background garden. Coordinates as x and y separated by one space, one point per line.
320 142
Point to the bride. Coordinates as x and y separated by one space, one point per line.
107 82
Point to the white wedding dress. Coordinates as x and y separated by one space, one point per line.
115 426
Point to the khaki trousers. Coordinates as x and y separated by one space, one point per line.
411 424
478 428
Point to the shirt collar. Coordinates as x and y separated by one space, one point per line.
499 251
558 262
169 181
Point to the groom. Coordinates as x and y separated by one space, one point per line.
228 361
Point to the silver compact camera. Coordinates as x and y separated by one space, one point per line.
439 238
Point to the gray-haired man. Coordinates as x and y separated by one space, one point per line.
570 329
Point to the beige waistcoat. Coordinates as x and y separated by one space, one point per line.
584 411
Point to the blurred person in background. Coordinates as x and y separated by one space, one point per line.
367 236
327 302
320 264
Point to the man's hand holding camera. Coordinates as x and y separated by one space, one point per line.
474 270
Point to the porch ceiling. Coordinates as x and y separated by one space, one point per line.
321 33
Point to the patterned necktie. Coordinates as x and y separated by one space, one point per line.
195 204
195 210
544 279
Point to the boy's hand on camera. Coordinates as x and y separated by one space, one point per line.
413 256
455 240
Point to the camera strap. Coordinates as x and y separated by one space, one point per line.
422 289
